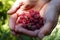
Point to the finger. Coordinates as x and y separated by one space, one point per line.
13 33
15 7
20 29
17 21
19 12
12 21
17 27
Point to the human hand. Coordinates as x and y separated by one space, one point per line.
13 14
40 33
14 11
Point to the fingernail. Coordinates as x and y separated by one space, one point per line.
9 11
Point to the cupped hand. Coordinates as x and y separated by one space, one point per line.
20 6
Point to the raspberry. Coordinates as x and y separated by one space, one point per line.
31 21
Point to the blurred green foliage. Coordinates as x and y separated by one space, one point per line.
4 29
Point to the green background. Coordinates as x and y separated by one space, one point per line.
4 29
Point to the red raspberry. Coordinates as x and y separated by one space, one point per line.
31 21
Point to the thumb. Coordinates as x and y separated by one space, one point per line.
12 21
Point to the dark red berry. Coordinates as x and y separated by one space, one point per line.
32 20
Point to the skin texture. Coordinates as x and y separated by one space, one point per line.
49 10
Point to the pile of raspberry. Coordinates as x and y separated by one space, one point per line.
31 21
